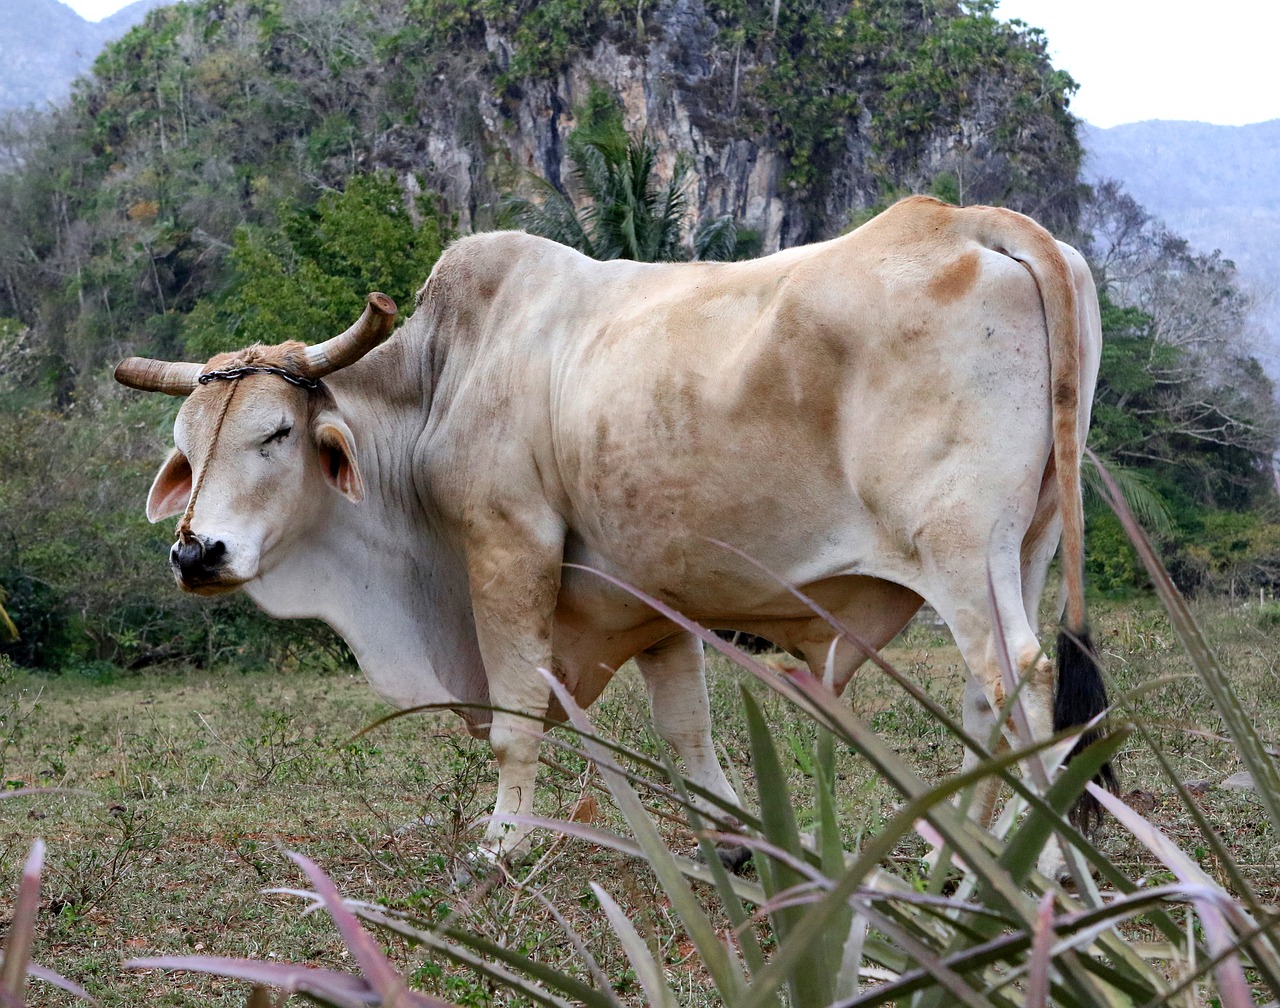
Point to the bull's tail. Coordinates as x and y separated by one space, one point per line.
1080 696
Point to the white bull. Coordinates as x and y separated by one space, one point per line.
891 416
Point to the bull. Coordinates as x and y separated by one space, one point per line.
892 416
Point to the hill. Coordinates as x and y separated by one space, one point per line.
45 45
216 114
1214 185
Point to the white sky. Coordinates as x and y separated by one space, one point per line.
96 10
1211 60
1208 60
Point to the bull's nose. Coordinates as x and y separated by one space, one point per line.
195 559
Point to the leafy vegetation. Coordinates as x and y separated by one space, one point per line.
1182 406
919 73
304 279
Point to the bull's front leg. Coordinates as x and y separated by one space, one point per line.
514 572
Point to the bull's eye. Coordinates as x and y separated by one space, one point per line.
279 435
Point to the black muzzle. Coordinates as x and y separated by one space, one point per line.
196 560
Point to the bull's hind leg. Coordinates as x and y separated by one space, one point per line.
986 652
675 677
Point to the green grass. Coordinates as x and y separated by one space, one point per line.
185 789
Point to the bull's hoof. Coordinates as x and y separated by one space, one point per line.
476 866
735 857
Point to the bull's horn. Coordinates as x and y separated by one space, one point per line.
370 329
158 376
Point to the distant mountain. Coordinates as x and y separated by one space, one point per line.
1217 186
45 45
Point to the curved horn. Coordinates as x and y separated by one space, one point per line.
370 329
158 376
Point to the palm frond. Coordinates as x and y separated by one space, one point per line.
1135 487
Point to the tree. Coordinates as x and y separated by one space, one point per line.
1183 411
308 278
8 632
1180 386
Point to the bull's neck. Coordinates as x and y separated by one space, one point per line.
356 575
376 571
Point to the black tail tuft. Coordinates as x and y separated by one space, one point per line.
1080 697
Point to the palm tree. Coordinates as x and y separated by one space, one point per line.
628 214
8 632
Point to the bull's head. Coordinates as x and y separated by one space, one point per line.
256 437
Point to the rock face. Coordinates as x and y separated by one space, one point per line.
701 94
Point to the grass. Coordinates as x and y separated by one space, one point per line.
188 787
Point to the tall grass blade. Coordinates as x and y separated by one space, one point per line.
377 984
811 980
339 990
373 963
1233 988
648 972
1041 956
731 889
725 970
22 930
490 959
1249 745
1040 823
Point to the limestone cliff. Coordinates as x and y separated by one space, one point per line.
792 127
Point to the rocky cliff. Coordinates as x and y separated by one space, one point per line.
791 126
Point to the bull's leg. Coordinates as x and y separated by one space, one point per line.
979 719
674 675
986 693
514 740
514 577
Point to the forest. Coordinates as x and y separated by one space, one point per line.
246 170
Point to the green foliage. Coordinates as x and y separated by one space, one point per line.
1231 552
547 33
1112 567
1192 480
306 280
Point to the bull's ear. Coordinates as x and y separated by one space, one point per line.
338 459
171 489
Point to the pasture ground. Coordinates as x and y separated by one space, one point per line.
188 785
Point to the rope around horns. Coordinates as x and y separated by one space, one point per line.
185 535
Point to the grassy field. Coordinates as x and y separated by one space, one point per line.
185 788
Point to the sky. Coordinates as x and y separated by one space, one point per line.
96 10
1162 59
1133 59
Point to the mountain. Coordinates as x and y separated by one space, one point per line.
1217 186
45 45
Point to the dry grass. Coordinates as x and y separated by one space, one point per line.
190 785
